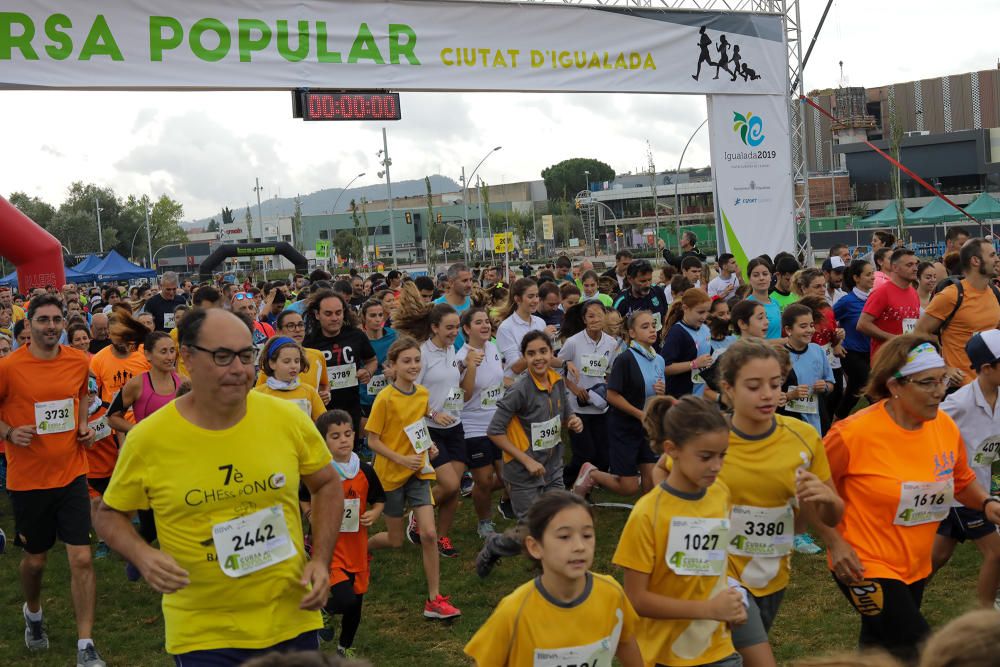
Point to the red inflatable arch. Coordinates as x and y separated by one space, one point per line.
36 253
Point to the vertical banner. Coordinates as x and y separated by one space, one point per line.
548 231
752 170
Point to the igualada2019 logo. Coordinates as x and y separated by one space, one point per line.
750 127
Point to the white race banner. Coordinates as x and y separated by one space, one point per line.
752 169
394 45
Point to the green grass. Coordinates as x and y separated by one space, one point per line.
814 619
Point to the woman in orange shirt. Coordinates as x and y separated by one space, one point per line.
898 465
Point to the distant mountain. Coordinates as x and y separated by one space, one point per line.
321 201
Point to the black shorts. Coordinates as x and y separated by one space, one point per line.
99 484
481 452
964 524
450 443
628 448
42 515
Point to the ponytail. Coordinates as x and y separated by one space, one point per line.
680 420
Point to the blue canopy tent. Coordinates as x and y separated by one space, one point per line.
72 276
115 267
88 263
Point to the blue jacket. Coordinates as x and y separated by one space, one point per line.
847 311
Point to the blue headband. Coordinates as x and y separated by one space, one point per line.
277 344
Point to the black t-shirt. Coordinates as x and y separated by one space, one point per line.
349 346
159 307
356 302
554 317
626 379
98 345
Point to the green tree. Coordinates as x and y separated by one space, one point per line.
347 245
227 216
297 223
428 226
564 179
213 225
39 211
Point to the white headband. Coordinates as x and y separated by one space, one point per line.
921 358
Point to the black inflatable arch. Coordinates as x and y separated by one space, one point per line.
224 252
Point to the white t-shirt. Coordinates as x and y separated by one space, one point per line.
979 426
575 349
509 335
440 375
718 283
475 417
837 295
669 292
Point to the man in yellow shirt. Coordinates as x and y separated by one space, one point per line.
7 301
231 564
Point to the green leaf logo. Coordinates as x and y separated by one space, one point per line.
750 127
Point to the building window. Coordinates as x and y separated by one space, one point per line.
323 234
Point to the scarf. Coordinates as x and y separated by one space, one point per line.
638 347
281 385
348 470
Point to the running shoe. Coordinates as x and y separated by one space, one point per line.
349 652
465 486
486 559
132 572
441 608
445 547
102 550
412 532
89 657
486 528
506 509
584 482
35 637
804 544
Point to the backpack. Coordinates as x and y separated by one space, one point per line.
957 282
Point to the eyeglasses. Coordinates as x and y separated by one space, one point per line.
46 321
929 384
295 326
224 356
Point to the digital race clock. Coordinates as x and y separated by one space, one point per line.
345 105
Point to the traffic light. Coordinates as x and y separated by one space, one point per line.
409 218
440 217
472 244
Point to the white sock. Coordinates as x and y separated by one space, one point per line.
83 643
32 615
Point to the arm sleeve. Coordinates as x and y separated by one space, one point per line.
490 645
637 544
367 352
376 420
127 490
118 403
317 404
376 494
619 376
564 401
827 369
674 348
508 404
875 304
509 349
943 303
568 351
837 455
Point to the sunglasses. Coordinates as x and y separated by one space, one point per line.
240 296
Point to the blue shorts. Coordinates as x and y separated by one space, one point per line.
628 448
233 657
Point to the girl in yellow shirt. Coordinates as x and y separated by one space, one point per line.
568 615
673 547
281 361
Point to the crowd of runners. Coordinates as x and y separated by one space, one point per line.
740 411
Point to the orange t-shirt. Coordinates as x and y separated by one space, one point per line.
979 312
351 552
874 464
112 373
104 454
52 460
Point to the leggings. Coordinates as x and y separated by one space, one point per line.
589 446
890 615
343 600
856 366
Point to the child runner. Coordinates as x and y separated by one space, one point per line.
398 434
440 374
974 410
363 503
636 376
101 458
686 349
759 275
591 288
593 352
673 547
290 323
281 361
381 337
719 323
518 319
568 615
810 363
482 380
527 427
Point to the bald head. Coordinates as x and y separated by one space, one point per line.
200 324
99 326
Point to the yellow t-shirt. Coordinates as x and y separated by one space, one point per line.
530 624
17 313
643 547
181 368
305 397
194 479
760 473
392 412
315 377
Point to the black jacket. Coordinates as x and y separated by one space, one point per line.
675 260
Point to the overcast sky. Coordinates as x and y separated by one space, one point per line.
204 149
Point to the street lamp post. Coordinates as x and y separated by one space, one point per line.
337 201
386 163
465 189
100 234
677 174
